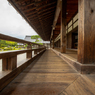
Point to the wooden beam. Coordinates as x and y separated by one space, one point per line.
28 10
58 9
40 20
86 32
46 13
41 11
40 16
63 26
29 54
9 63
53 43
38 8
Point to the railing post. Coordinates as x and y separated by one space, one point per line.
29 54
35 51
9 63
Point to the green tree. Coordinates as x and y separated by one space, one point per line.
35 37
4 43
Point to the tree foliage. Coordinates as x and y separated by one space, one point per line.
4 43
35 37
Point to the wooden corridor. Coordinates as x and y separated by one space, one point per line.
50 75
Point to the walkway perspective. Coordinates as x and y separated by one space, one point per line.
50 75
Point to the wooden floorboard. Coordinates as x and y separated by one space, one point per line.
69 53
49 76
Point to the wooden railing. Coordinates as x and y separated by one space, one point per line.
10 67
9 38
70 26
9 59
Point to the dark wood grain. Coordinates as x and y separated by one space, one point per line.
41 14
49 75
63 26
7 76
16 52
86 32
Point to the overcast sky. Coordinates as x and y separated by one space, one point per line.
11 23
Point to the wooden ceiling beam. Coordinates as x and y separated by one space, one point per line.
42 19
38 8
46 16
28 10
39 14
58 9
35 16
19 1
41 11
41 23
26 5
32 13
46 13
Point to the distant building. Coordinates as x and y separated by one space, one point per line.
28 38
46 43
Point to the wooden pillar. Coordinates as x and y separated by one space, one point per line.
86 32
69 40
50 44
9 63
35 51
63 26
38 46
58 44
29 54
53 43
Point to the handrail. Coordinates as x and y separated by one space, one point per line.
9 59
15 52
9 38
11 65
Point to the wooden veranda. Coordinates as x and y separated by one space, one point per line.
68 67
50 75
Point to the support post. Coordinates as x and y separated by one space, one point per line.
86 32
9 63
35 51
63 26
29 54
50 43
53 43
59 44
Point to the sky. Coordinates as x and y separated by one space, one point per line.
12 23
